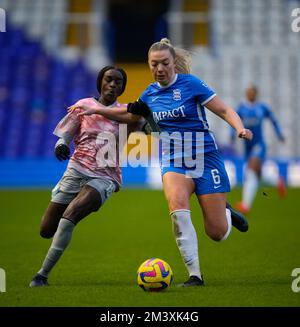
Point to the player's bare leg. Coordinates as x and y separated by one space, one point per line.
51 219
219 216
87 201
183 229
217 222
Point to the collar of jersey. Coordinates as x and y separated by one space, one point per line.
251 104
110 106
171 83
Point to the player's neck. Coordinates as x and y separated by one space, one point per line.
173 80
106 104
250 103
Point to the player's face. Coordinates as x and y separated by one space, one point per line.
162 66
111 86
251 94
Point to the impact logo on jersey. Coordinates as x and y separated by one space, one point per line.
177 95
174 113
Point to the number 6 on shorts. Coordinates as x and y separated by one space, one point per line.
216 176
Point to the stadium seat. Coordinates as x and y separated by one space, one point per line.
35 99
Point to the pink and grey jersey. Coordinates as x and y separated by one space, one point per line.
90 135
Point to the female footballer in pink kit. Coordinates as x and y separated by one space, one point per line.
88 180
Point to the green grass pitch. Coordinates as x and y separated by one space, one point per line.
99 267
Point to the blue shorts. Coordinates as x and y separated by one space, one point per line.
213 179
257 150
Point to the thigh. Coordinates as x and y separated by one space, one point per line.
89 199
178 189
105 187
51 219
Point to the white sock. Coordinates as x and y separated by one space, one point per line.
60 241
186 239
229 225
250 187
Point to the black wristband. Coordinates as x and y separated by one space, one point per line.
138 108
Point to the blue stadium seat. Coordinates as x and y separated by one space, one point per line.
35 90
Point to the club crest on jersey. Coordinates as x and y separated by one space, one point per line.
176 95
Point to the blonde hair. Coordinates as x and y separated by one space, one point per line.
182 57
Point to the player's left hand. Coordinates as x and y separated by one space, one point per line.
245 134
62 152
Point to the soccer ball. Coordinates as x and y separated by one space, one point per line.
154 275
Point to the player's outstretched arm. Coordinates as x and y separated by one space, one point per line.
65 130
140 108
218 107
276 126
117 113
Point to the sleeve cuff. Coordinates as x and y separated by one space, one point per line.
208 99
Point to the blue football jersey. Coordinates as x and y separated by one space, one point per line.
179 107
253 116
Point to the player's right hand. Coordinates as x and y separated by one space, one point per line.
138 108
62 152
245 134
72 109
86 110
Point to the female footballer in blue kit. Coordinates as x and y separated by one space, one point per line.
253 113
176 102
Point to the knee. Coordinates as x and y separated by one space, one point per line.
46 233
176 204
216 234
96 205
